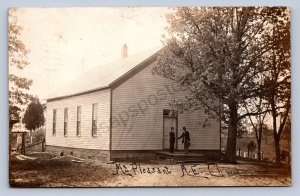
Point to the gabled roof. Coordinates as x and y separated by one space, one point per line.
97 79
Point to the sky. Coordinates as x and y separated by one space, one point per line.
65 42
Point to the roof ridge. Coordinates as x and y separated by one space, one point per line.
106 74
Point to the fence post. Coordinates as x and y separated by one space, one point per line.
23 144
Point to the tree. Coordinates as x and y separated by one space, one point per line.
267 132
286 133
251 146
17 60
241 130
277 78
259 128
34 115
258 105
14 115
216 53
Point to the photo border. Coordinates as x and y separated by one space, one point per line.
295 61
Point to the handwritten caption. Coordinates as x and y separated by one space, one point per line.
203 170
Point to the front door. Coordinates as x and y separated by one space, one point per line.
168 123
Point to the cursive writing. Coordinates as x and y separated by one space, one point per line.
134 169
203 170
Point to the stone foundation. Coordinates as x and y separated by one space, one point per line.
121 155
131 155
213 155
103 155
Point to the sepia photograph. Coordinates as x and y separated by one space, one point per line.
149 96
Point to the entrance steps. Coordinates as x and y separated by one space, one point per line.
182 157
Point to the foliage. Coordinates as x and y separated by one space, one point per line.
241 130
17 60
34 115
251 147
286 133
39 134
219 54
259 104
278 76
215 52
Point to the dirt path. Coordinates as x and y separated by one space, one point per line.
65 172
199 175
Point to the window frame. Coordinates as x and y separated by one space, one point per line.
78 122
54 119
94 119
65 122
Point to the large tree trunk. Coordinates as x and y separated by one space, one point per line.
275 134
277 149
258 150
230 154
258 138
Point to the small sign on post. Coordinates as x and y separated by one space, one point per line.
19 129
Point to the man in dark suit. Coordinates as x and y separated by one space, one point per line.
172 140
185 140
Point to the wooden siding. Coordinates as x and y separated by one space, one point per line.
137 115
85 140
204 138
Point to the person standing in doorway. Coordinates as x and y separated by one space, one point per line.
185 140
172 140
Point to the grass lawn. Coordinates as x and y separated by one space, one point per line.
62 171
58 173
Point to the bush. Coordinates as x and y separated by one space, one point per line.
39 134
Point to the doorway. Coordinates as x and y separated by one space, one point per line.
169 120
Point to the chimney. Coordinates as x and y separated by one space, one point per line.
124 51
